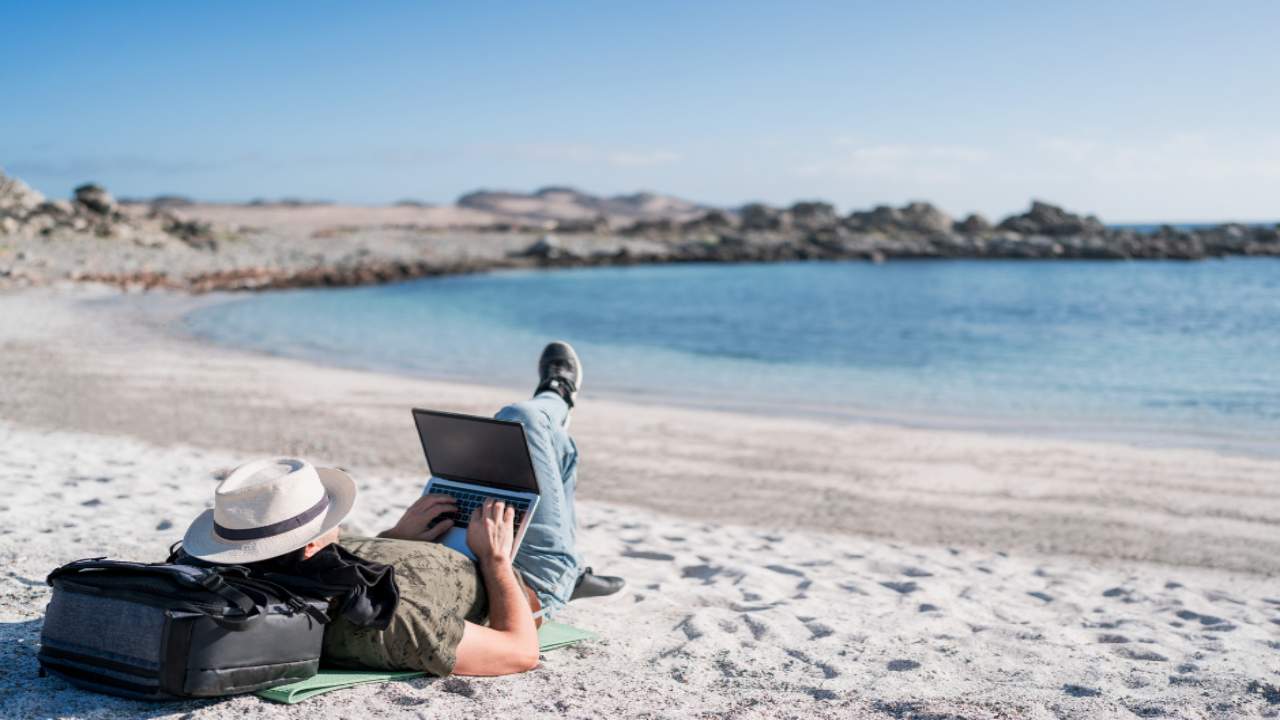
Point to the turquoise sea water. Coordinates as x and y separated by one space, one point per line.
1177 353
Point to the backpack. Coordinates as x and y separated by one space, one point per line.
168 631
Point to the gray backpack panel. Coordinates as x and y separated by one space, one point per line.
176 631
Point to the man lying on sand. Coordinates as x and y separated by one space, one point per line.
444 598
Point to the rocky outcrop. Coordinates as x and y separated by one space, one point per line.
916 217
17 199
809 230
93 211
1052 221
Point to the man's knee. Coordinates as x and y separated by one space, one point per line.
526 414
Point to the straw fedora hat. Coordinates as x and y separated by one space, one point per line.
268 508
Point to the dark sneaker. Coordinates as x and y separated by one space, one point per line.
592 585
560 371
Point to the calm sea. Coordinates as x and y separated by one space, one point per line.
1154 352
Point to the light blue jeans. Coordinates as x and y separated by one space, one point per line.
548 557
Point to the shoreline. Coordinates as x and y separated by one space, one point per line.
1147 435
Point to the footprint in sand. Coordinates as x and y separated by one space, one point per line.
1202 619
1080 691
758 629
828 672
817 630
902 665
164 525
686 625
1125 651
705 573
1041 596
927 607
1112 639
905 588
648 555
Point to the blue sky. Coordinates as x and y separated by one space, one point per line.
1135 110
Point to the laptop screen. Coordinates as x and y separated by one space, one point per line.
476 449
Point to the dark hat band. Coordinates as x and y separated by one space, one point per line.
278 528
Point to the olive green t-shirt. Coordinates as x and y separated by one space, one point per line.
439 590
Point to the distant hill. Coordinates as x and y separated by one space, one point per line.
568 204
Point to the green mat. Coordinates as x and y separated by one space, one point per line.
551 635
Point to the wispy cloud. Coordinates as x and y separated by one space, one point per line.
643 158
90 165
585 154
848 158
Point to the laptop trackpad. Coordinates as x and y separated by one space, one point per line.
456 538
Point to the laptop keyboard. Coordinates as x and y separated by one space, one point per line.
468 501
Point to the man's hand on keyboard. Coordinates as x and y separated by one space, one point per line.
416 523
491 533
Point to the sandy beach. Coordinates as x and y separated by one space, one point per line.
777 567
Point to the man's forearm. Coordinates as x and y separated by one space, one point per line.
508 608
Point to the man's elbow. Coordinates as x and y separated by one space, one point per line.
528 660
522 659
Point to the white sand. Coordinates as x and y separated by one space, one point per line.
776 567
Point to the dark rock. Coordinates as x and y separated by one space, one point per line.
194 233
96 198
925 218
549 248
711 221
758 216
974 223
546 246
598 225
813 215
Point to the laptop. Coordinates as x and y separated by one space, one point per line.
475 458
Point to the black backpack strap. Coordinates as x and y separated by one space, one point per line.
204 578
295 601
213 582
